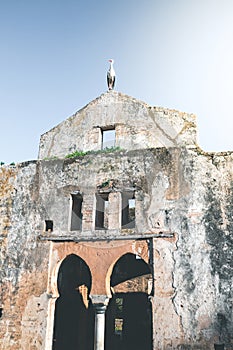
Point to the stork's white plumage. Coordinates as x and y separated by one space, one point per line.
111 76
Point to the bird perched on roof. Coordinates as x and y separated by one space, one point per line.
111 76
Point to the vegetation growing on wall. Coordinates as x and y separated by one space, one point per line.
82 153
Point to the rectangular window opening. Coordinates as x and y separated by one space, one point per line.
108 138
118 326
76 212
101 217
128 210
48 225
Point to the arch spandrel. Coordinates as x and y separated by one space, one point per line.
100 258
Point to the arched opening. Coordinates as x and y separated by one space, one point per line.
74 316
129 314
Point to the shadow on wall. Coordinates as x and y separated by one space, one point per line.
74 315
129 313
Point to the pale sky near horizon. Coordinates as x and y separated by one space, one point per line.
171 53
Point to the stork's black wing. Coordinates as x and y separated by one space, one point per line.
113 81
108 79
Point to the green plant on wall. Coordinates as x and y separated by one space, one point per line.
82 153
76 154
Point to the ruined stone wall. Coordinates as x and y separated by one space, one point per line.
137 126
185 193
24 261
199 260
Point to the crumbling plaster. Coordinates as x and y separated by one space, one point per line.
137 125
23 271
188 192
184 204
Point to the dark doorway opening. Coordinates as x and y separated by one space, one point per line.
129 313
101 215
129 324
128 210
74 316
76 213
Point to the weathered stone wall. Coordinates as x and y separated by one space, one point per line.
182 192
137 126
155 176
24 261
203 268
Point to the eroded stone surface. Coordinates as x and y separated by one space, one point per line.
180 192
137 126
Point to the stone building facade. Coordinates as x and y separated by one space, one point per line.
119 236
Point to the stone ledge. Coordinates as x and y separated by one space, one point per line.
104 238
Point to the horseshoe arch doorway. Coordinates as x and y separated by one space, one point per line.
129 313
74 316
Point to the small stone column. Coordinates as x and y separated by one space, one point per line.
114 211
87 211
100 303
99 326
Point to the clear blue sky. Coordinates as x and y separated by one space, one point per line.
171 53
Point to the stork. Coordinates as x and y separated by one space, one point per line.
111 76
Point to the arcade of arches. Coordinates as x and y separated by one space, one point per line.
101 296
